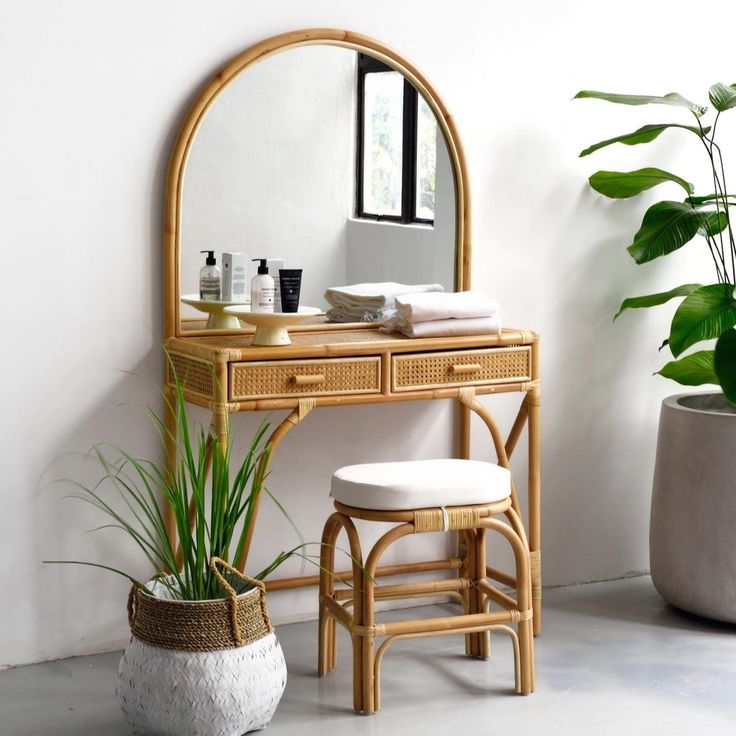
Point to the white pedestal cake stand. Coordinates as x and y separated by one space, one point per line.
272 327
217 318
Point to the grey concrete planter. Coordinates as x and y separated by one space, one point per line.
692 533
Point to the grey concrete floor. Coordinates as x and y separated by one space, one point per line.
613 658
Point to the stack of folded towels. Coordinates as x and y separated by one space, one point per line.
370 302
444 315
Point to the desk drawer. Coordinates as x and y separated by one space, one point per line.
281 378
462 367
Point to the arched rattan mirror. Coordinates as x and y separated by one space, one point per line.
207 210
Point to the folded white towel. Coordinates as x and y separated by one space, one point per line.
343 314
427 307
445 327
374 296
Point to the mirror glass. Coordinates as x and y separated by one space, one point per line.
319 156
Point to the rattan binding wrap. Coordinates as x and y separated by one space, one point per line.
445 519
536 563
434 370
200 626
193 374
276 378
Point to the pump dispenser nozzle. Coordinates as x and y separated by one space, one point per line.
262 266
211 260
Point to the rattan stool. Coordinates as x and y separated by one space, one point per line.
463 495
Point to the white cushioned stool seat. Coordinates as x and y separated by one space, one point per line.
417 484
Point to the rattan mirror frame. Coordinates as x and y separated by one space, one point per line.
251 56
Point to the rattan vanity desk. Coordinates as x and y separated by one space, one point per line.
334 365
337 367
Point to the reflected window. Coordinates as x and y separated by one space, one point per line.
397 147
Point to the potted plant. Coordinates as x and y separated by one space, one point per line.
692 547
203 657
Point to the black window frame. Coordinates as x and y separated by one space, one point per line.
366 65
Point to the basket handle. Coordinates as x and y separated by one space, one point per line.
132 605
232 596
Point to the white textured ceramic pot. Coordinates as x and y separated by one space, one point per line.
692 535
200 668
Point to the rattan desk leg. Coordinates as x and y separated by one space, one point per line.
529 412
463 452
535 550
296 416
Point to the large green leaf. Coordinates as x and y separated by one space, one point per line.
654 300
714 222
706 313
673 98
725 363
645 134
722 96
666 227
692 370
624 184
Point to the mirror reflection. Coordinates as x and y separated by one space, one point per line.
321 159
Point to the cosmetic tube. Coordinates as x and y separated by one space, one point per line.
291 284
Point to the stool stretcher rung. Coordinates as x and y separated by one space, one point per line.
501 577
498 596
348 600
444 623
345 576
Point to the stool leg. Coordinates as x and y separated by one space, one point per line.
332 639
367 642
359 583
472 641
463 545
326 624
523 595
484 638
366 618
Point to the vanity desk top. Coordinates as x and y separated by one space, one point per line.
349 366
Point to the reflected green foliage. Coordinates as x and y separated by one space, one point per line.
383 138
426 160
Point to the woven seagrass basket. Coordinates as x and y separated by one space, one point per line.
200 667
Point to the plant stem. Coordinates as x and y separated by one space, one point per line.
712 243
732 243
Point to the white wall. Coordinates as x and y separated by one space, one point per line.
271 169
93 94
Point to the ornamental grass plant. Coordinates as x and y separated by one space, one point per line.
212 496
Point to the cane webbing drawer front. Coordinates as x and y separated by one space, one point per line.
463 367
193 374
281 378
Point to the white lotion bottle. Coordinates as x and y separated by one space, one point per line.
262 289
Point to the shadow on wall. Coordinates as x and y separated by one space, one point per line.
87 606
564 273
603 444
78 609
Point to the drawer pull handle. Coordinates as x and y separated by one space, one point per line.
466 368
309 380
